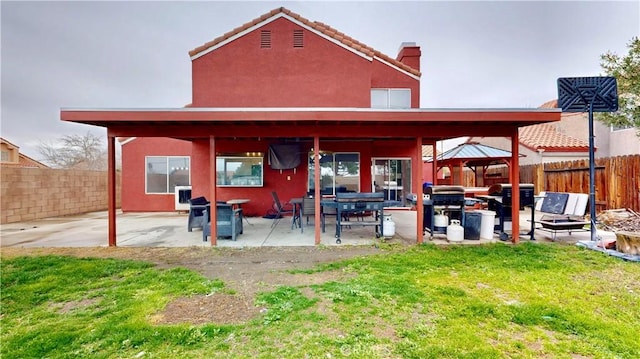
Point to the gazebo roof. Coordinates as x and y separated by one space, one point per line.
474 154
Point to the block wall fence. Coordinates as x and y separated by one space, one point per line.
33 193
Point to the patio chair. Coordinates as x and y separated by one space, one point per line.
228 222
197 208
309 210
330 211
280 208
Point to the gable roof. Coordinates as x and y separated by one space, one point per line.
317 27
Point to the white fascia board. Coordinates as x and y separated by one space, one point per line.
415 77
314 109
329 38
271 19
130 139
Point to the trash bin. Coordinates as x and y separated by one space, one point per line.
488 223
472 225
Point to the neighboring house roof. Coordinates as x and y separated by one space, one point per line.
546 137
314 26
427 151
23 160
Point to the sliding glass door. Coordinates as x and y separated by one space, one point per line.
339 172
393 177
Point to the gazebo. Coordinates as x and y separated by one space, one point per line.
475 156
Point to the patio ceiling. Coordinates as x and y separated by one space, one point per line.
194 123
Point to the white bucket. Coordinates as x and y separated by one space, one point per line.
455 232
487 224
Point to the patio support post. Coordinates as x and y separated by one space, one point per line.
316 181
417 184
515 186
434 164
111 190
212 190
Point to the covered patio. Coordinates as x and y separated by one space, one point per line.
376 127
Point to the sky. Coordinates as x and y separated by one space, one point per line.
134 54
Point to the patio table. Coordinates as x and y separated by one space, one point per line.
237 203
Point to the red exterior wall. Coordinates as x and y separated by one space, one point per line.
242 74
134 197
384 76
321 74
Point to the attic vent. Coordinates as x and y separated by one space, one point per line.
265 39
298 38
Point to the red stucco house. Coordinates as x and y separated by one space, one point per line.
342 113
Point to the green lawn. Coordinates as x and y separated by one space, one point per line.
493 301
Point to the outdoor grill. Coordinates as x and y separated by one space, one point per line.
449 199
500 201
352 202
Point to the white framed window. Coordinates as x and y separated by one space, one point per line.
239 171
164 173
390 98
4 156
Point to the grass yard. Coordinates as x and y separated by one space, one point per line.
492 301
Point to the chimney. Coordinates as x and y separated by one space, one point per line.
409 54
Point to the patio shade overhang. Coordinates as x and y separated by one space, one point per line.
193 123
424 125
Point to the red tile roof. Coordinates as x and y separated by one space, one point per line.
23 160
546 136
318 26
550 104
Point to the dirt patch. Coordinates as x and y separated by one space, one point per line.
245 273
67 307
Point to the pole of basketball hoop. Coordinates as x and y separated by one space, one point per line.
592 175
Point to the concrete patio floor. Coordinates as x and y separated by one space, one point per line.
169 229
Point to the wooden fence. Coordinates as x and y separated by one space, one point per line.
617 179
